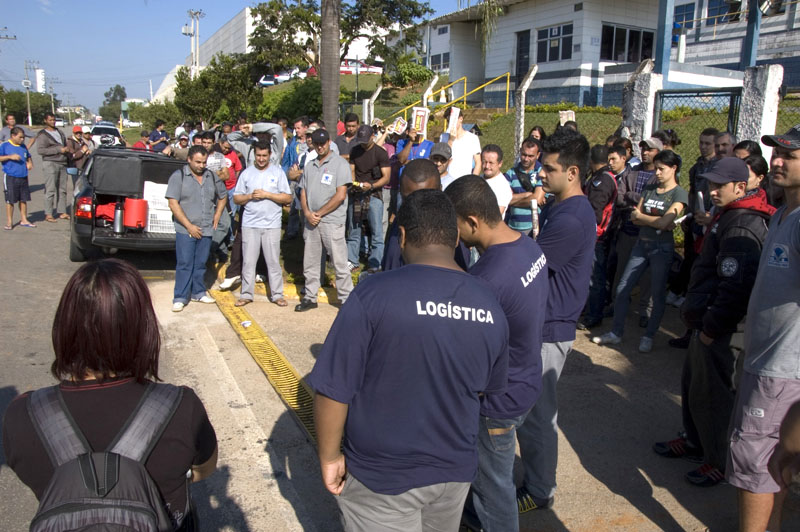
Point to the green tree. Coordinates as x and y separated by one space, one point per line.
227 80
148 114
112 104
14 102
288 33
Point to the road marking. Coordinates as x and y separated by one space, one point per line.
287 382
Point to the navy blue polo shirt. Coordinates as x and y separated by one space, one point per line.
517 271
409 352
567 237
155 136
393 255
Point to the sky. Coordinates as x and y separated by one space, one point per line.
88 46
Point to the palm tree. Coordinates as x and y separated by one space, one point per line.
329 62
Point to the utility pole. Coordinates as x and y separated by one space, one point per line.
27 84
50 83
193 32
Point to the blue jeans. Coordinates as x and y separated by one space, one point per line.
231 204
494 495
597 286
375 218
646 254
191 254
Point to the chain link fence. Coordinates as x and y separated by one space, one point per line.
788 113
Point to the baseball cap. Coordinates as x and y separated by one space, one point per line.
183 136
727 170
311 129
86 129
320 137
791 140
651 143
364 134
442 149
77 129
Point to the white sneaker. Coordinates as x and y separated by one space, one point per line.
351 266
260 279
672 297
679 302
645 344
229 282
205 299
177 307
608 338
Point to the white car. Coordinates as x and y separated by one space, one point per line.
60 122
131 123
295 73
100 131
351 66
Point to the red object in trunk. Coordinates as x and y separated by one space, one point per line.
135 213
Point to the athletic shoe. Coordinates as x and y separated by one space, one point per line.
527 502
230 282
205 299
177 307
260 279
645 344
705 476
608 338
679 448
679 302
681 342
672 297
353 267
588 323
305 305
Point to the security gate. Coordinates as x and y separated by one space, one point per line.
702 108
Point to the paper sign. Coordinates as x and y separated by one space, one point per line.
398 126
419 120
566 116
701 207
452 122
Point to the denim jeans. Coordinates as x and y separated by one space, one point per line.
191 254
657 256
231 204
375 218
597 286
494 495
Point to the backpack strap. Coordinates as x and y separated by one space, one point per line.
144 427
55 426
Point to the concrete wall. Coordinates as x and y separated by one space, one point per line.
465 57
231 38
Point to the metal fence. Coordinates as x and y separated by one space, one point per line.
788 113
717 108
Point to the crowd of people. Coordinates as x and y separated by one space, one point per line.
448 351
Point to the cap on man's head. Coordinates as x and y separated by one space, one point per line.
86 129
311 129
727 170
320 137
77 129
790 141
652 143
442 149
364 134
183 136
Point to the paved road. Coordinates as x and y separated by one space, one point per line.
614 404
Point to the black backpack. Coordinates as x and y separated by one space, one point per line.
108 490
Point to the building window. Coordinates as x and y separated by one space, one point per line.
445 60
684 13
436 62
717 8
554 43
622 44
442 30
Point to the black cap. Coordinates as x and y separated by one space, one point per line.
790 141
364 134
320 137
727 170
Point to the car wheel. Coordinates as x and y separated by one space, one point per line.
76 254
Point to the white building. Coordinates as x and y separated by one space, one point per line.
586 50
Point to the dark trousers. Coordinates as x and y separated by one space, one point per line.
235 267
680 283
708 389
598 285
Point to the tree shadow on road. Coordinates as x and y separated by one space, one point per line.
611 420
7 394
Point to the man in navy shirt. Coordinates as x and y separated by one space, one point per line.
567 238
515 267
159 138
400 376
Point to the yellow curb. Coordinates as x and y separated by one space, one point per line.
325 294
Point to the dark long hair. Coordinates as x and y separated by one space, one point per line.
105 324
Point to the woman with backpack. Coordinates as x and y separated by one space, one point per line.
109 435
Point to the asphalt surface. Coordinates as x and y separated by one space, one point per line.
614 403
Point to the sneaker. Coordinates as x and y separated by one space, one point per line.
260 279
680 447
205 299
177 307
527 502
608 338
645 344
353 267
681 342
679 302
305 305
229 282
705 476
672 297
588 323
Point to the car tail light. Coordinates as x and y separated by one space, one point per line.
83 207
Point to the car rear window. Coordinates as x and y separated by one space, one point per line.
105 131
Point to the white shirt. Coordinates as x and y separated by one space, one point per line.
502 190
262 214
447 179
464 150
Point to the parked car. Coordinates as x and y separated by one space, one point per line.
130 123
111 175
106 128
78 122
60 122
267 80
350 66
295 73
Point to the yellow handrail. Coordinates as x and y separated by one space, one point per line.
507 75
404 110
